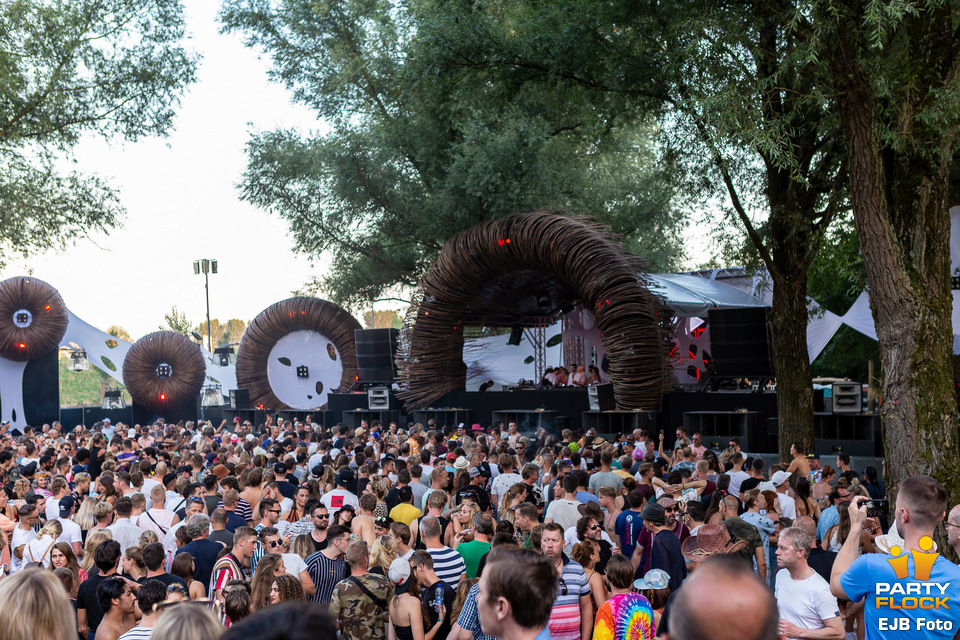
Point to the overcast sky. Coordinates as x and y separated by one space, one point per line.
182 205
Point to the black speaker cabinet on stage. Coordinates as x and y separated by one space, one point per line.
740 343
601 397
41 390
239 398
375 351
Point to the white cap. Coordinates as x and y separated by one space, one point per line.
779 478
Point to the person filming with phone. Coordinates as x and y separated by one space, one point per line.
901 591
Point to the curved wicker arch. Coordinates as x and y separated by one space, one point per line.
498 269
280 319
46 324
188 370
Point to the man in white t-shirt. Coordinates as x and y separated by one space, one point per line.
788 506
507 478
334 499
737 474
23 535
72 534
803 596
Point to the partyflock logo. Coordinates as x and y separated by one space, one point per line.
906 595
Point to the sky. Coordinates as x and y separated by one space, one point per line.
182 204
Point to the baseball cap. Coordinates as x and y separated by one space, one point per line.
779 478
400 575
66 504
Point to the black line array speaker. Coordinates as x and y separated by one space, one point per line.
601 397
239 398
847 397
375 352
740 343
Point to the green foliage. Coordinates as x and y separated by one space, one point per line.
111 68
177 322
83 388
223 333
119 332
419 152
388 319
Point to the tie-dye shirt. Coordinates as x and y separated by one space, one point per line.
627 616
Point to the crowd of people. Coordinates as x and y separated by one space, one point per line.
197 532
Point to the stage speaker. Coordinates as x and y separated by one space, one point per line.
740 343
375 352
378 399
847 397
516 335
239 398
601 397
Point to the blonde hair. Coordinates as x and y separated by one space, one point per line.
383 552
302 546
185 622
53 528
94 539
32 600
84 516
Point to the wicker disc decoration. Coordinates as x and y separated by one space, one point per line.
295 352
527 268
33 319
164 370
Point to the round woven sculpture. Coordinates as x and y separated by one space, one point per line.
527 266
164 370
33 319
306 316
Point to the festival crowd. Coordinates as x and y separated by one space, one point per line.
292 529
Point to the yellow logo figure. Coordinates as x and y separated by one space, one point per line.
922 562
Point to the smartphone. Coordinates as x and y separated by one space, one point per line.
877 508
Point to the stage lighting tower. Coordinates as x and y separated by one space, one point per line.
206 266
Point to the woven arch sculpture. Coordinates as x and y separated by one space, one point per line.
509 271
164 370
33 318
283 318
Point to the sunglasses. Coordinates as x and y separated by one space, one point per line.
563 587
276 543
594 527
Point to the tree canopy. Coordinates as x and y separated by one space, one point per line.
414 155
113 68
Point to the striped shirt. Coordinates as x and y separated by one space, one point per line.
326 573
564 623
448 565
243 509
137 633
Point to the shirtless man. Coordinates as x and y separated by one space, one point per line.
252 492
799 467
119 604
362 523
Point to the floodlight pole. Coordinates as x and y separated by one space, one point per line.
206 266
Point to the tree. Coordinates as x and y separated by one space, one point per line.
736 94
111 68
413 157
382 319
224 333
894 67
119 332
177 322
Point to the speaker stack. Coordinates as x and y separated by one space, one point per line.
375 354
601 397
740 343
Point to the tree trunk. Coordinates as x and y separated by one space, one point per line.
900 209
788 323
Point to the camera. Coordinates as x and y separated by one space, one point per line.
877 508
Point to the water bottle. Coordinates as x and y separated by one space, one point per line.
438 599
